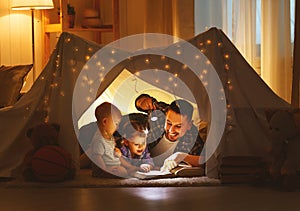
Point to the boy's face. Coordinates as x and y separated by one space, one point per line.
136 145
176 125
112 123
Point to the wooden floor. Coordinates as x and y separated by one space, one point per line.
169 198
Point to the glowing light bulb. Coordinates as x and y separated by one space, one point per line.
226 67
89 99
86 67
85 78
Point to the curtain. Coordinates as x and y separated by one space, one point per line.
238 18
296 62
243 28
276 54
235 17
173 17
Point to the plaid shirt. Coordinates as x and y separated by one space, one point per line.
145 158
190 143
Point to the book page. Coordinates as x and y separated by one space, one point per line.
154 173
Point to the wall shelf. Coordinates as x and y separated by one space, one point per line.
56 21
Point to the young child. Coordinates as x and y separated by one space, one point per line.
105 161
134 149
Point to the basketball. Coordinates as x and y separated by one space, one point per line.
51 164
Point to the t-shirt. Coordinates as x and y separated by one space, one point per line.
105 148
163 150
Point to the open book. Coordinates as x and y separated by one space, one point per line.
182 170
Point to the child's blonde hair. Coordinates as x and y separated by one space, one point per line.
132 128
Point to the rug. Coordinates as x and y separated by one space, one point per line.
85 180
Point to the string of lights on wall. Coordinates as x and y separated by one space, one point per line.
85 54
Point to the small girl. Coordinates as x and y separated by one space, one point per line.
134 148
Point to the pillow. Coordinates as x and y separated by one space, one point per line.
11 82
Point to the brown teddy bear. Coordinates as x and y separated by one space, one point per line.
285 146
44 161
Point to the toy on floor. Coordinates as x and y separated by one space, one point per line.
285 146
47 161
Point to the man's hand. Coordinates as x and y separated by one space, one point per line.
173 161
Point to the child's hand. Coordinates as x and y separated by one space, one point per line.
145 167
117 152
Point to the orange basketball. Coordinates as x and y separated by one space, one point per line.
51 164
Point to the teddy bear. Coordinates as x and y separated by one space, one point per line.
44 137
284 150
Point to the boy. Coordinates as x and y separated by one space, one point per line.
105 162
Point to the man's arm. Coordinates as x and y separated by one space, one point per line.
146 103
194 160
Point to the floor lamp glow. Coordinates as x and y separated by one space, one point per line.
32 5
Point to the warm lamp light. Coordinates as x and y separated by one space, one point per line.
32 5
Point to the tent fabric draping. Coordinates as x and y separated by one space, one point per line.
50 98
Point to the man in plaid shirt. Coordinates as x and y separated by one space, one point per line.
172 137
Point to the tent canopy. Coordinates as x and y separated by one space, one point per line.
61 94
